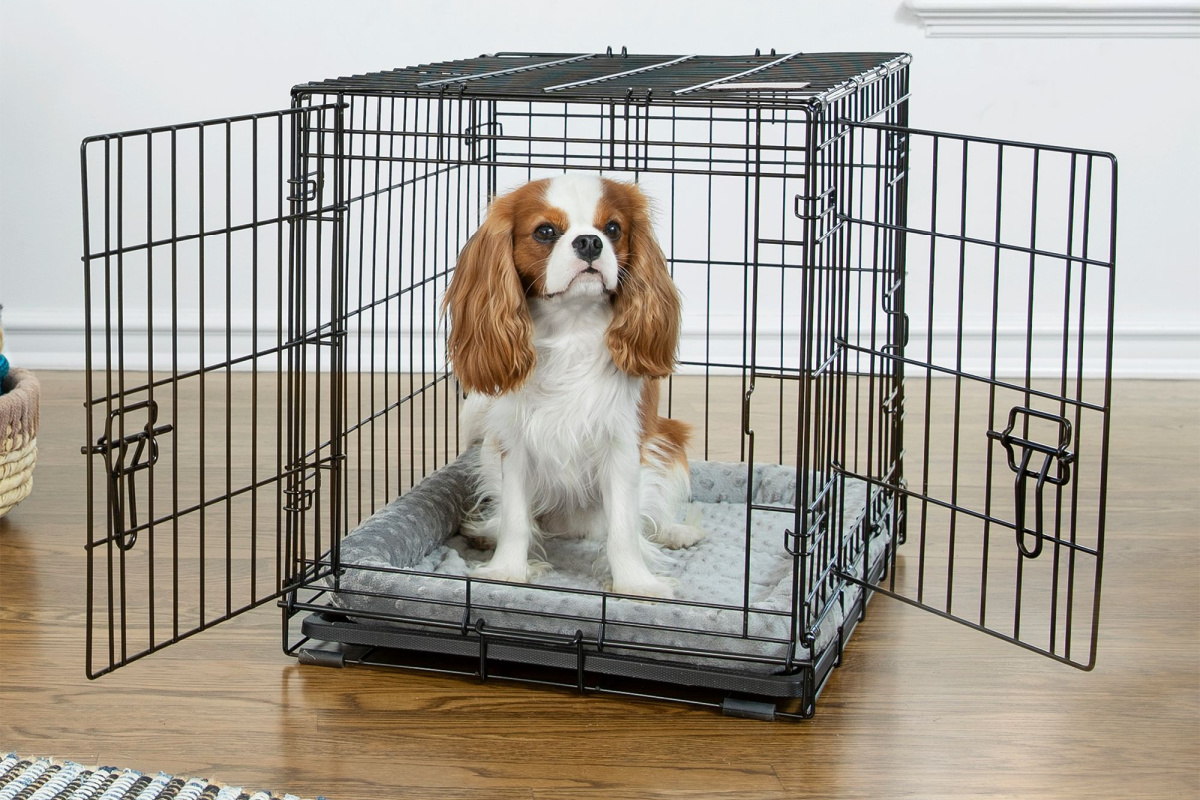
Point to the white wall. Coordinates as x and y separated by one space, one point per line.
71 69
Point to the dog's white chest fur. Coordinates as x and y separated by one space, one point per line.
570 414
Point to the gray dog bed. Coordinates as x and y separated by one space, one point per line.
713 611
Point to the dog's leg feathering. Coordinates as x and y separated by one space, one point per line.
626 546
514 532
666 486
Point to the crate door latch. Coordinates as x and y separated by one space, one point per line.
1057 456
124 457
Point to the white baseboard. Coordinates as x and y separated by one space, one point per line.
53 339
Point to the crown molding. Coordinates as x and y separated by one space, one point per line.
1085 19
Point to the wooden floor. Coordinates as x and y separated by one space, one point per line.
921 708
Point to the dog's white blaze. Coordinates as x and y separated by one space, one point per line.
577 195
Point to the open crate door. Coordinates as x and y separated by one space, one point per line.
212 269
994 333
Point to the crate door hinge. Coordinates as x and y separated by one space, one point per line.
124 457
307 188
1025 467
822 211
299 495
305 482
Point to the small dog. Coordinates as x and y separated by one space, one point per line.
563 319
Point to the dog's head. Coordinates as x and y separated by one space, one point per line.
574 238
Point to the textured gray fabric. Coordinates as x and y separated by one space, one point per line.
409 528
418 532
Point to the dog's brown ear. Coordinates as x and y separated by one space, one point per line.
491 332
644 333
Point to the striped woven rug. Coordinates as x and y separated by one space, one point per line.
48 779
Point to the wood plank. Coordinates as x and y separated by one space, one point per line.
921 707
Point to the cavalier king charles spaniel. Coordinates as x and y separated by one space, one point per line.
563 318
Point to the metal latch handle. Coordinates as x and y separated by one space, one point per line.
1051 455
122 469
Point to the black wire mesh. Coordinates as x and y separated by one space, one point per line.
211 282
795 78
847 287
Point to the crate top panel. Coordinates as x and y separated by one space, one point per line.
804 78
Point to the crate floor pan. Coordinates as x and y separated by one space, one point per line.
331 639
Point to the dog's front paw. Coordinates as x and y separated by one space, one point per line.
511 573
648 586
677 536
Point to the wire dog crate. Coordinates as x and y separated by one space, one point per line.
915 326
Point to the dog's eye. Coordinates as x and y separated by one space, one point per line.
612 230
545 233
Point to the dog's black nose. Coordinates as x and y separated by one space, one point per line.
588 247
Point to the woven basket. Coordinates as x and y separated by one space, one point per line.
18 437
